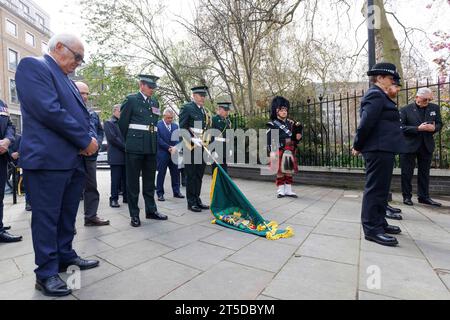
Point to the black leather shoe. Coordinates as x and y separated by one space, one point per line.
125 201
28 207
408 202
7 228
80 263
383 239
392 230
202 206
393 210
161 198
114 204
393 216
179 196
156 216
53 287
430 202
6 237
194 209
135 222
75 231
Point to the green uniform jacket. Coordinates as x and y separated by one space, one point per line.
135 110
221 124
190 114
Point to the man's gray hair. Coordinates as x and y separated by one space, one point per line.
168 111
422 92
116 107
64 38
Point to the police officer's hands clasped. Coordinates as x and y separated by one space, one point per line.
427 127
4 145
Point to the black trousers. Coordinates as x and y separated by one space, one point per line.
194 179
91 194
135 165
408 164
118 179
379 168
3 177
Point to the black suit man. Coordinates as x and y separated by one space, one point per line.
116 157
378 138
420 122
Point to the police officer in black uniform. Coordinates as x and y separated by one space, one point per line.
379 138
7 135
421 120
139 116
195 119
222 123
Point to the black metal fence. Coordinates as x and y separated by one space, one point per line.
330 124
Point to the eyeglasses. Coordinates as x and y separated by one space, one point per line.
78 57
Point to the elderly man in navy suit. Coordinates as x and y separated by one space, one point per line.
56 136
167 141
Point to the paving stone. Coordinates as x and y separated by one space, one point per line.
265 298
12 250
21 289
301 234
199 255
264 254
339 228
363 295
225 281
407 247
402 277
427 231
89 277
306 219
134 254
87 233
90 247
9 271
148 281
313 279
26 264
181 237
331 248
230 239
445 277
438 254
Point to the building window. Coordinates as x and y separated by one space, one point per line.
44 47
16 121
11 28
13 91
41 20
25 8
13 59
29 39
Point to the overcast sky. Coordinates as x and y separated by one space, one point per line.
66 17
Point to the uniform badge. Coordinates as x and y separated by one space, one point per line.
156 111
433 114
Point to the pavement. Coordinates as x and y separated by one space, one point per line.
188 258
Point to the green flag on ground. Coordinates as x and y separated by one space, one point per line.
232 210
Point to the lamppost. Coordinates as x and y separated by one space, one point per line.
371 30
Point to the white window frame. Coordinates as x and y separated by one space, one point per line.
17 28
39 18
34 39
10 95
23 6
9 62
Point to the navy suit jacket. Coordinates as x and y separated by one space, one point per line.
116 143
165 137
380 126
55 118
